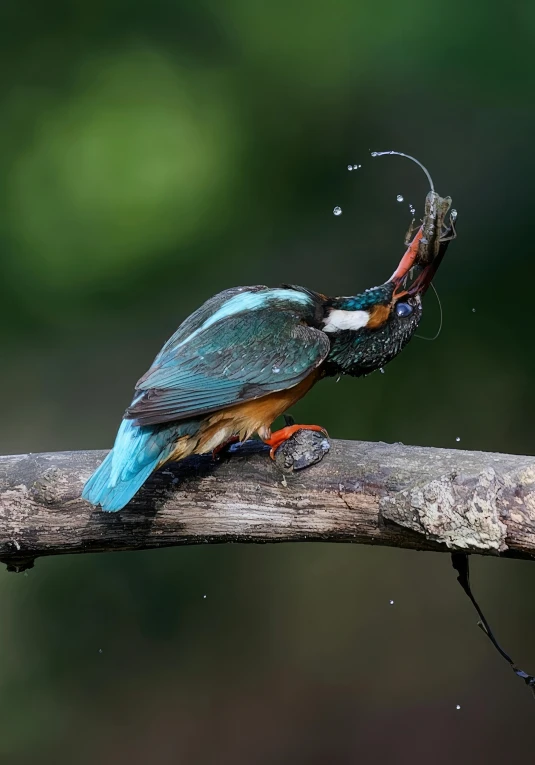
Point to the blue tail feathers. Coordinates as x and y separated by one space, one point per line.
137 452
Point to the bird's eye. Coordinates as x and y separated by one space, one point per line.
403 310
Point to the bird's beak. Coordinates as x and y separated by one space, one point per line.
410 260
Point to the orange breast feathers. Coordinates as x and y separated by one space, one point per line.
250 417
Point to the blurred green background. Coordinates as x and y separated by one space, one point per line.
152 154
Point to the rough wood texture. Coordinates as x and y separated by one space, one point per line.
374 493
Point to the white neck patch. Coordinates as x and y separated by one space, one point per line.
338 320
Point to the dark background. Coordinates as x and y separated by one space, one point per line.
152 154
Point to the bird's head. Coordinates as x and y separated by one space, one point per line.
369 329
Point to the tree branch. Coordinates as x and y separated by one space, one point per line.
373 493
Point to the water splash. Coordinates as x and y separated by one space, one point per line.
439 330
413 159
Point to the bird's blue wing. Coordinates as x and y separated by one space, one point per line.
241 345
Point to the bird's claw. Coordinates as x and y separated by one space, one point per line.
282 435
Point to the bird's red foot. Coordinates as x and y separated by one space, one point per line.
224 445
282 435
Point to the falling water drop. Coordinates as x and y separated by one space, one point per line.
381 370
357 167
473 310
457 706
350 167
399 198
337 210
458 439
391 602
412 209
453 214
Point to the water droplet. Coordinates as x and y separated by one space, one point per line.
357 167
391 602
275 370
399 198
374 153
337 210
453 214
412 209
473 310
204 597
350 167
458 439
100 650
458 706
338 378
381 370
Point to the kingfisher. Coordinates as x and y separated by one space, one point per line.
245 357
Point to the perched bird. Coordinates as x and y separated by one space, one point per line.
246 356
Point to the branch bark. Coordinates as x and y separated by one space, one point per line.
373 493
